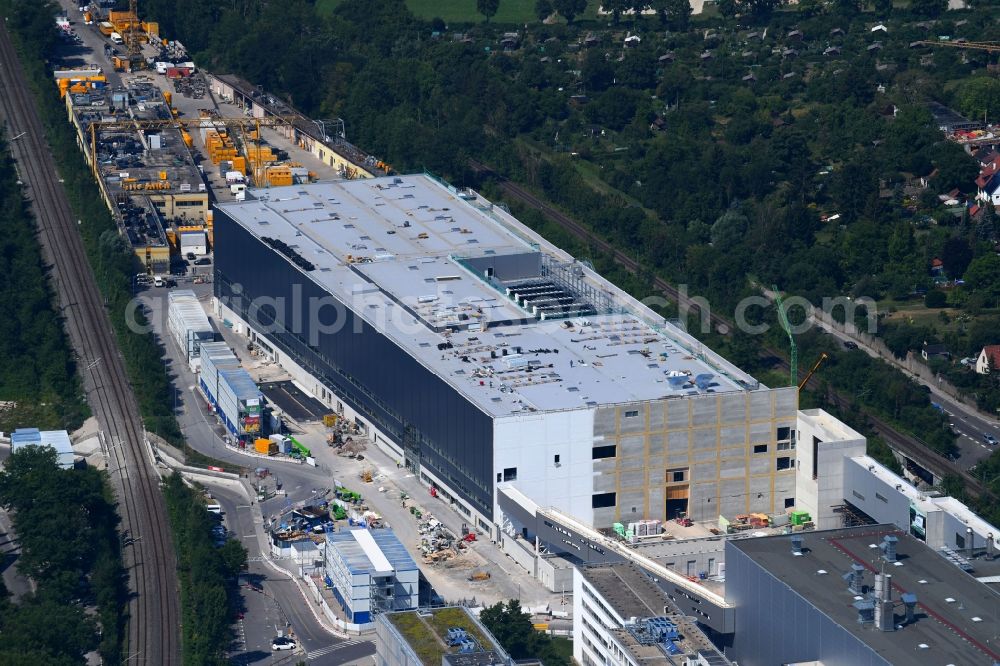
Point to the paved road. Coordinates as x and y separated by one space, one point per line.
278 604
968 423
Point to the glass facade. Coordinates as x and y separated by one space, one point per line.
439 428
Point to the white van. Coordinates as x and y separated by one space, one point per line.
116 38
158 281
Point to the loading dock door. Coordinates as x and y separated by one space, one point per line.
677 501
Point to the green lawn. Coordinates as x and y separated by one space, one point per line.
464 11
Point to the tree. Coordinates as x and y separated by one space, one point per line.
935 299
728 230
928 8
543 9
570 9
956 256
488 8
678 14
983 274
883 8
615 7
956 168
979 98
727 8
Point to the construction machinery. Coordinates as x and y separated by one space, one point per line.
793 350
805 380
990 47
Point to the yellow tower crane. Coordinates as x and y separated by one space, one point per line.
991 47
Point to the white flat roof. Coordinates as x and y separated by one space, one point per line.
397 251
374 554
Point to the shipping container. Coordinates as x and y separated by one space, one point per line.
215 356
194 242
240 402
188 323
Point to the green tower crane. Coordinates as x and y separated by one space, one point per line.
793 350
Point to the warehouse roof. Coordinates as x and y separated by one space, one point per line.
508 319
371 552
957 616
57 439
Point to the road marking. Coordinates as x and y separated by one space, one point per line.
331 648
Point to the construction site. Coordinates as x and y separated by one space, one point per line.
163 147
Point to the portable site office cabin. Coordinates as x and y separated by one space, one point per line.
189 324
195 242
215 357
240 403
56 439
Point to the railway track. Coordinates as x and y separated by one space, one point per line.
154 614
908 446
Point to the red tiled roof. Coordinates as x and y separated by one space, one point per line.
993 354
935 262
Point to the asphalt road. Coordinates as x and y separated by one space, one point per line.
274 603
968 424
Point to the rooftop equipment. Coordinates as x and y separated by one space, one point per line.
855 579
910 602
888 548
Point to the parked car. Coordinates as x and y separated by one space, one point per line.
204 261
282 643
850 345
990 439
190 256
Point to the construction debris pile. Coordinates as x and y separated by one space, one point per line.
437 542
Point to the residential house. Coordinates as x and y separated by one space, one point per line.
832 51
931 352
795 34
988 183
837 32
880 28
989 358
937 266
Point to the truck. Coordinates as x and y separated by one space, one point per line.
106 28
239 191
116 38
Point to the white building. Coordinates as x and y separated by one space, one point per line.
370 572
622 617
56 439
188 324
989 358
475 353
823 442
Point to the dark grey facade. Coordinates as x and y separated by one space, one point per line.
437 427
775 625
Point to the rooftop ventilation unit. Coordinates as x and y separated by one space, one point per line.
866 611
888 548
456 636
855 579
910 602
796 545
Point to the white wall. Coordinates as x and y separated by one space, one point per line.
866 491
530 443
837 443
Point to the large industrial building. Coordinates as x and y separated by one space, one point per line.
478 353
865 596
